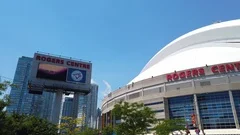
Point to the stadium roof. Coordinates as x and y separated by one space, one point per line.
213 44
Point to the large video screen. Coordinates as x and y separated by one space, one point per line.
51 72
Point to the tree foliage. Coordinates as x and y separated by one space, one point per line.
108 130
89 131
73 126
69 126
18 124
5 101
170 125
135 118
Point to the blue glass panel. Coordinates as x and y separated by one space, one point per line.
215 110
181 107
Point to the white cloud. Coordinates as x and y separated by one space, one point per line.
108 88
104 92
93 81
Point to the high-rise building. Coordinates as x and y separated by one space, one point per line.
87 108
24 103
67 107
21 101
91 115
48 105
99 119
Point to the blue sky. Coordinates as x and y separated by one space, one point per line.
118 36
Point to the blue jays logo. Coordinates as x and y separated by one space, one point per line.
77 75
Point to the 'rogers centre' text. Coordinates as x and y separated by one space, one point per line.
61 61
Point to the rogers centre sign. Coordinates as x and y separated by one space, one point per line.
62 61
215 69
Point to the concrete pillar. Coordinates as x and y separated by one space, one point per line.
106 119
193 84
234 110
166 108
164 87
57 107
75 105
199 123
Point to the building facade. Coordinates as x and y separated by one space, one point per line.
35 98
22 101
48 105
67 110
195 77
87 107
99 119
92 99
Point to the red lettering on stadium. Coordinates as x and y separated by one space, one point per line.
224 68
185 74
215 69
61 61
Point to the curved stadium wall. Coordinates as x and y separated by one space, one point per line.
196 76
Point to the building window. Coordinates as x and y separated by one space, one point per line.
181 107
236 97
152 91
158 111
205 83
154 103
215 110
135 95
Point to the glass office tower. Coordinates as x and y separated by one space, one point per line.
87 108
24 103
91 103
67 107
21 101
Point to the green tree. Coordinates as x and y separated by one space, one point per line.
89 131
108 130
3 103
18 124
170 125
135 118
69 126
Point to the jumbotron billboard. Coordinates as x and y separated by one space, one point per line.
51 72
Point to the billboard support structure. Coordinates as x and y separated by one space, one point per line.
57 107
59 74
75 104
53 73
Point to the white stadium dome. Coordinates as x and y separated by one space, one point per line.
196 74
213 44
